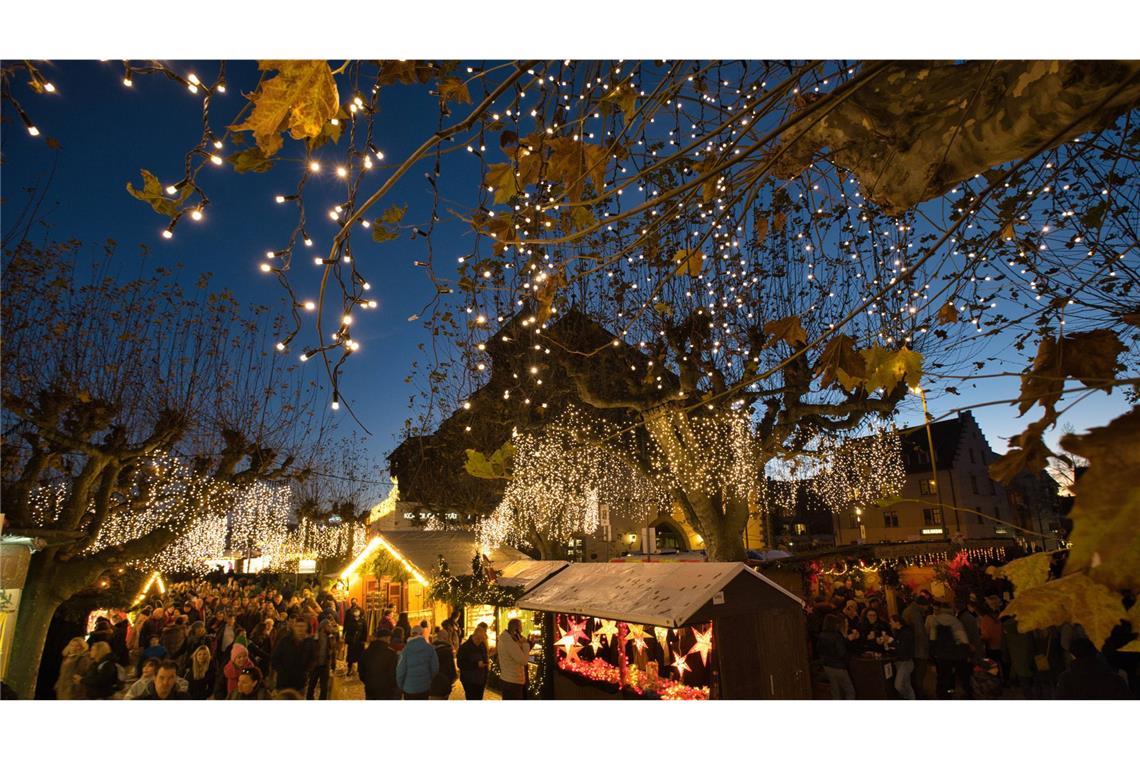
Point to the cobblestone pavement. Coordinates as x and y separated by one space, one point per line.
350 687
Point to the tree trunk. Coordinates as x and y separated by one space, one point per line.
720 522
49 584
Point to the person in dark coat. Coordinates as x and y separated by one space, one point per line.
832 651
903 643
1090 676
249 685
355 635
472 659
120 628
378 668
101 680
444 679
291 657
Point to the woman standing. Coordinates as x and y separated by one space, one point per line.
201 674
71 672
354 638
101 680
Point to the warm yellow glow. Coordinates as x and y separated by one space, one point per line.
155 577
400 558
372 546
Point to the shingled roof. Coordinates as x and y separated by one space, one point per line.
423 548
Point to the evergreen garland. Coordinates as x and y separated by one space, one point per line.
477 588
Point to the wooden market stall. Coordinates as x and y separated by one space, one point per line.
672 630
521 575
409 559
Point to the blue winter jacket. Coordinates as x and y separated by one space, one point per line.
417 666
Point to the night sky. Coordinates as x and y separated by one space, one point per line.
109 132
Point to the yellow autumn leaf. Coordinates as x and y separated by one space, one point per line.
1072 599
886 368
1027 572
841 363
1106 512
688 261
300 99
787 329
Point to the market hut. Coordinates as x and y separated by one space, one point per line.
519 576
395 569
670 631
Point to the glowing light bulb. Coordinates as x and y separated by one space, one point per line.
171 190
308 241
194 79
314 166
346 319
380 155
318 261
34 131
341 172
335 405
266 268
49 87
222 88
280 199
127 82
310 306
280 346
372 305
216 159
367 286
196 215
304 357
167 234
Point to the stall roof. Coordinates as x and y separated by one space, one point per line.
664 594
528 573
422 548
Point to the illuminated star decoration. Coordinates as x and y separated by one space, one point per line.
570 638
703 645
595 642
681 666
607 628
637 634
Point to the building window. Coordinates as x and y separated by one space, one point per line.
974 484
926 487
931 517
576 550
800 529
890 519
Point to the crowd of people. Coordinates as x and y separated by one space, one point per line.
973 648
244 641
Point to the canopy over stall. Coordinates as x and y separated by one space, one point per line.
723 627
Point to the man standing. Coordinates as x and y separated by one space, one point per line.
290 657
325 646
514 652
417 667
950 648
378 668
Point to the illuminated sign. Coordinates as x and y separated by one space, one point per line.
306 566
932 531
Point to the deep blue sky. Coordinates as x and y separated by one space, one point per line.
108 132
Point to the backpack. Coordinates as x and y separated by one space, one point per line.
945 646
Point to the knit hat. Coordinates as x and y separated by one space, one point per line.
237 649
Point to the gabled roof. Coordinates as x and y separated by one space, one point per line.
422 548
528 573
663 594
947 436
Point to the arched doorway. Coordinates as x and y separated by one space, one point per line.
670 537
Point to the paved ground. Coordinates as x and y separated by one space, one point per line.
351 688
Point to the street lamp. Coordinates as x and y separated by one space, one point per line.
918 391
